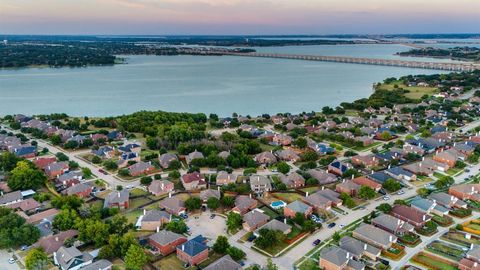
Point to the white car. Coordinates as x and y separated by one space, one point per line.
342 225
12 261
386 198
400 192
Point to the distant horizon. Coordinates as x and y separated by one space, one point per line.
227 17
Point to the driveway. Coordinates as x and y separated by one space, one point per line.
209 228
4 265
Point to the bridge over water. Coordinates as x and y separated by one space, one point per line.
367 61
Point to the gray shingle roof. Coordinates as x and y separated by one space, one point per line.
224 263
165 237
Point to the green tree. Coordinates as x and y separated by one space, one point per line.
221 245
26 176
36 259
347 200
118 224
67 202
234 221
177 226
61 156
213 203
65 220
96 160
444 182
87 173
283 167
236 253
227 201
270 265
300 143
193 203
336 236
91 230
110 165
392 185
385 208
14 231
366 193
135 258
267 238
56 139
423 192
146 180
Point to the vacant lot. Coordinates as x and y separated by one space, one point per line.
416 92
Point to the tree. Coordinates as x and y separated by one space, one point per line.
146 180
444 182
96 160
91 230
227 201
213 203
135 258
110 165
234 221
366 193
385 135
56 139
267 238
65 220
61 156
336 236
431 225
283 167
8 161
118 224
174 165
87 173
221 245
67 202
270 265
236 253
385 208
423 192
401 202
36 259
347 200
124 172
391 185
14 231
26 176
177 226
193 203
300 143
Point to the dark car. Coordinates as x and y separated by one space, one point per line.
103 171
212 216
385 262
251 238
331 225
316 242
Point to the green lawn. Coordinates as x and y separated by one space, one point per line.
309 264
431 262
138 192
170 262
133 215
287 197
135 203
211 258
416 92
267 211
445 250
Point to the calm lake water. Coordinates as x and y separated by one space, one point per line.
221 85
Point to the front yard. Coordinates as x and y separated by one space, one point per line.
446 250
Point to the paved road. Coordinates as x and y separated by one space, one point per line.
4 265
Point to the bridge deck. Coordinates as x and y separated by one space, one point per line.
368 61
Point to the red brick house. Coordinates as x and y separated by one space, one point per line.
364 181
297 207
466 192
56 169
349 187
118 199
81 190
193 251
411 215
166 241
367 161
141 168
42 162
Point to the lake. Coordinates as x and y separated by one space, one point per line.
209 84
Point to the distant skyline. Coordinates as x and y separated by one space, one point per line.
231 17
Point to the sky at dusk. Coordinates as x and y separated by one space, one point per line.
159 17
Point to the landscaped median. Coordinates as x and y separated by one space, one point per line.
433 262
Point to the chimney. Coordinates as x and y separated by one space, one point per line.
285 220
144 211
183 247
118 194
170 194
306 194
158 229
398 221
323 187
348 255
390 238
56 238
424 217
170 218
365 246
250 195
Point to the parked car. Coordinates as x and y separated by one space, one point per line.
386 198
316 242
212 216
251 238
385 262
342 225
103 171
12 261
400 192
331 225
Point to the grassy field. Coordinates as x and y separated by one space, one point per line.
416 92
170 262
429 262
445 250
138 192
135 203
288 197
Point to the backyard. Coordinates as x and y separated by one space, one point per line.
446 250
432 263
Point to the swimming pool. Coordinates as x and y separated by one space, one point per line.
278 204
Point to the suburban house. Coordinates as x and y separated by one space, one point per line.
349 187
288 155
335 258
448 157
364 181
428 206
104 152
141 168
358 249
71 258
418 168
42 162
166 241
11 198
68 179
224 263
193 181
225 178
466 192
152 219
127 157
323 199
471 260
254 220
133 147
210 193
193 251
161 187
56 169
446 200
260 184
275 225
81 190
322 176
99 265
374 236
243 204
411 215
367 161
173 205
118 199
297 207
292 180
392 224
194 155
265 158
166 159
24 151
52 243
281 139
400 174
338 167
